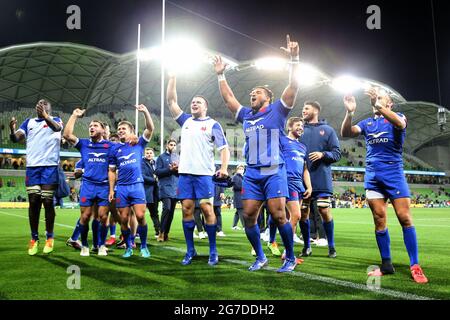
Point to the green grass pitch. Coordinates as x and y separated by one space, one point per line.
163 277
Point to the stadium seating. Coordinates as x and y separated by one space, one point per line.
12 188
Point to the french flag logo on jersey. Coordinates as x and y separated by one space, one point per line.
322 132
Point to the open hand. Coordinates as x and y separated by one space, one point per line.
219 65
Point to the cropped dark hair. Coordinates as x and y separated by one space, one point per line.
314 104
267 90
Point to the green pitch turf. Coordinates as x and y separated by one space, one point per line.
163 277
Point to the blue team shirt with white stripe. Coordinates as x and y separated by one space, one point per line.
294 153
384 142
263 131
94 160
127 159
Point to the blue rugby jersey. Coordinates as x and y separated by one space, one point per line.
94 159
263 131
127 159
384 142
294 153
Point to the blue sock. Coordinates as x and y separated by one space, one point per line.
287 235
112 230
76 231
34 236
132 238
410 239
254 237
188 228
142 230
95 234
84 230
304 227
384 243
329 231
272 230
127 237
211 231
49 235
103 235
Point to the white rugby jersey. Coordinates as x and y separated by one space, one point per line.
43 143
198 138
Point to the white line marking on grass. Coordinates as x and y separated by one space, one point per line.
313 277
416 225
26 217
328 280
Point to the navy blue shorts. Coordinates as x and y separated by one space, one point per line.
91 193
296 190
321 194
41 175
390 182
130 194
262 184
192 186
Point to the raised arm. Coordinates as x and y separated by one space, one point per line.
15 135
347 130
68 130
149 126
227 94
172 99
290 92
384 105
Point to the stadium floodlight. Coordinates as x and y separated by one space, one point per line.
347 84
184 55
307 75
180 55
271 64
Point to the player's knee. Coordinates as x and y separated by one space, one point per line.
249 220
207 201
187 205
279 220
405 220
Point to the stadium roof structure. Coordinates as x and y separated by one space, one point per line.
69 75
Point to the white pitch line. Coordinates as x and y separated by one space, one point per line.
23 217
328 280
308 276
416 225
